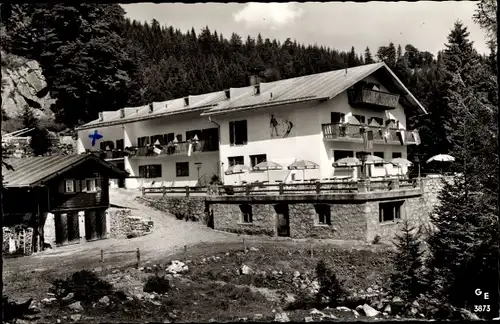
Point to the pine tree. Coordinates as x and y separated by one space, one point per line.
407 280
368 56
29 119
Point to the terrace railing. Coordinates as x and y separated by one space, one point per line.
372 98
178 148
348 132
317 188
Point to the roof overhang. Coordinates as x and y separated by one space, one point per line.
147 117
262 105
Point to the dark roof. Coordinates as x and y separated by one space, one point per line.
319 86
33 171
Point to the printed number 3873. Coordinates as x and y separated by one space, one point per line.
481 308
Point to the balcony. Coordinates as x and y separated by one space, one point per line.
180 148
351 133
366 98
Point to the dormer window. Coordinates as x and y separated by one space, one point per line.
256 89
101 116
186 101
151 108
122 113
228 94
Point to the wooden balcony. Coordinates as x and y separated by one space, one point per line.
351 133
180 148
366 98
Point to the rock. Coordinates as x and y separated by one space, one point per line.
355 313
379 305
359 308
104 301
397 300
315 311
387 309
154 302
245 270
58 321
370 311
77 307
467 315
69 296
343 309
413 311
281 317
376 287
369 290
48 300
415 304
257 316
212 320
289 299
177 267
254 249
397 316
296 274
308 319
75 317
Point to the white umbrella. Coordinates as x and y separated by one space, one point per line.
400 162
441 158
266 166
373 159
303 165
237 169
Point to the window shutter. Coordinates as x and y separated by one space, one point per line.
76 185
231 132
244 133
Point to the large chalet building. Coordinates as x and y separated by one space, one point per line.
320 118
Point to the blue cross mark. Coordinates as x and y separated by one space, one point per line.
96 136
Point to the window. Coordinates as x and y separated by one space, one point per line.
107 145
238 132
142 141
69 186
256 159
120 144
373 86
324 214
168 137
396 155
155 138
89 185
179 137
235 160
340 154
390 211
380 155
378 120
336 117
192 133
150 171
256 89
360 118
246 213
182 169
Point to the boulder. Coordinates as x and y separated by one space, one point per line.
245 270
343 309
76 306
75 317
370 311
177 267
308 319
467 315
104 301
281 317
69 296
387 309
296 274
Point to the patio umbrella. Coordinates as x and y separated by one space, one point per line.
441 158
237 169
303 165
266 166
347 162
373 159
399 162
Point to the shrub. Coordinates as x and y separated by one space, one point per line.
376 239
157 284
85 286
330 287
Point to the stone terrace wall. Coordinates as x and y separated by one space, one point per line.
227 217
192 208
124 224
347 222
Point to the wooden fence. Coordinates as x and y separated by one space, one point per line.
317 188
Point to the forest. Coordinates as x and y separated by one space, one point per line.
95 59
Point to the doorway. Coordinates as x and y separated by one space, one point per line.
121 181
282 219
73 227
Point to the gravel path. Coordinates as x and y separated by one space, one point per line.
168 236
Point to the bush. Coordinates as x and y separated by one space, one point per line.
376 239
330 287
157 284
85 286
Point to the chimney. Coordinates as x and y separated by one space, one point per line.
101 116
228 93
186 101
254 79
151 107
122 113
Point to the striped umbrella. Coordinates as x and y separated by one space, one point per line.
303 165
266 166
347 162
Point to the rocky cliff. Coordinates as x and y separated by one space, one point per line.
23 83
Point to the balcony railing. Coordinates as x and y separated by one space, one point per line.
178 148
343 132
372 98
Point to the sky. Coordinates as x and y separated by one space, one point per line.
338 25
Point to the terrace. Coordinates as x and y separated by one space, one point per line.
179 148
292 189
374 99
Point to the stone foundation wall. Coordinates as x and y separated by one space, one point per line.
228 217
13 240
348 221
123 224
192 208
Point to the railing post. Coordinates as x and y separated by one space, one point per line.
395 184
281 188
138 258
362 186
143 189
164 191
187 191
318 187
247 189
